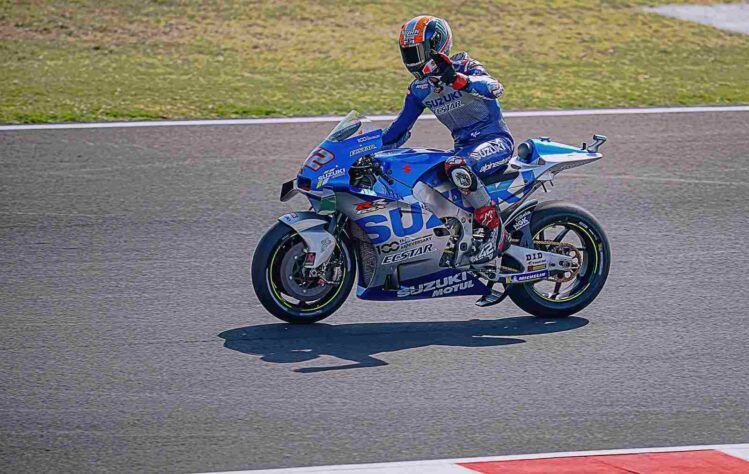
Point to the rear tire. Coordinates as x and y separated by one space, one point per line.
268 270
593 274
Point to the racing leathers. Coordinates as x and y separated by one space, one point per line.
464 99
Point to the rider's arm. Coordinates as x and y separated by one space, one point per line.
399 131
469 76
484 86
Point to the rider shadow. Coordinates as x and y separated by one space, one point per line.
286 343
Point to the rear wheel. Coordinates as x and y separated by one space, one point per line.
569 230
291 292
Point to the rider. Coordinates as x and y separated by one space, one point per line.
463 96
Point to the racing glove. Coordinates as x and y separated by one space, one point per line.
447 73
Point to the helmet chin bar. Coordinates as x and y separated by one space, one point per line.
426 69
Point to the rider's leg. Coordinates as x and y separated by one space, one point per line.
464 170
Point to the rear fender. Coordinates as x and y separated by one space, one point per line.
311 227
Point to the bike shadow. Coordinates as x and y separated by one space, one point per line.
286 343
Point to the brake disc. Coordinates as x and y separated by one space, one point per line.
293 280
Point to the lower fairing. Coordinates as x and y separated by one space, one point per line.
449 282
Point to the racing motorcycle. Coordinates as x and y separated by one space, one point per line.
394 222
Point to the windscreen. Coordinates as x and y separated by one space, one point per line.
352 124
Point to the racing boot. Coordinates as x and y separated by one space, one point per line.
495 239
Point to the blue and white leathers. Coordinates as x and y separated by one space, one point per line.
473 116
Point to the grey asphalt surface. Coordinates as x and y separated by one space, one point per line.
132 340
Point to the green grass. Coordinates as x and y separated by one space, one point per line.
137 59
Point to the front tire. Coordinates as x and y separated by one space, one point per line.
546 298
283 289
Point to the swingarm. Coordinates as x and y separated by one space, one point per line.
536 264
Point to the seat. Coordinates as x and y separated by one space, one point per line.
499 176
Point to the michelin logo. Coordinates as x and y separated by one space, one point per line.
527 276
442 287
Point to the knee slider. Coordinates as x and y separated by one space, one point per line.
461 174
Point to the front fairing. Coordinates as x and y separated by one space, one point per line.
329 164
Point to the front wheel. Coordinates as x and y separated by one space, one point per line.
291 292
569 229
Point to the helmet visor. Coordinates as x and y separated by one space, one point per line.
413 56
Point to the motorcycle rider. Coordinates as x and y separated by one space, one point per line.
462 96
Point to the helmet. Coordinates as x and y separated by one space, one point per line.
419 38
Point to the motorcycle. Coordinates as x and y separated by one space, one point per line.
393 221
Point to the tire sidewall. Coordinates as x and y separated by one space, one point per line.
260 279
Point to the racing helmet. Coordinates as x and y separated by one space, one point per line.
421 36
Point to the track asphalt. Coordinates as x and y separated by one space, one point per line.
132 341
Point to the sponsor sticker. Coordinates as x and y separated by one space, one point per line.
443 286
452 96
492 165
366 138
443 109
370 206
362 149
489 149
522 221
402 244
330 174
526 276
497 89
409 35
407 255
382 228
290 218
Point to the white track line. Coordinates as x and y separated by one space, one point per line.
446 465
282 120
